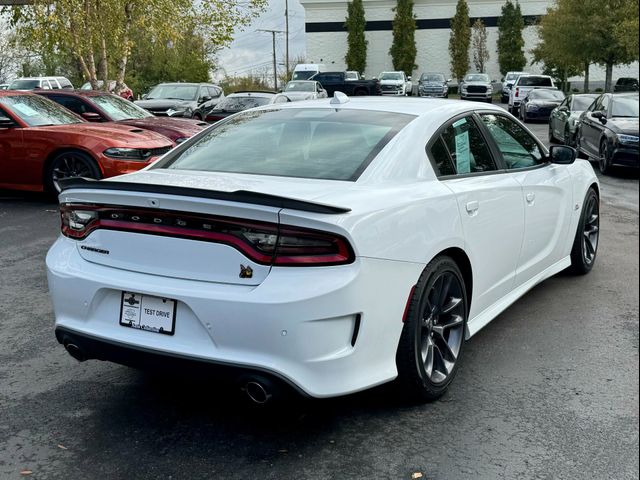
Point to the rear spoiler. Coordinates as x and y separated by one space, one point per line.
242 196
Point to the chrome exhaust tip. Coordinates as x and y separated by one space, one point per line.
258 392
75 351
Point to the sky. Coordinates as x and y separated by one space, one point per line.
251 51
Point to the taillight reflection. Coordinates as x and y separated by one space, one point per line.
263 242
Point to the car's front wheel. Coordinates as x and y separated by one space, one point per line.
69 164
585 243
604 161
432 338
552 137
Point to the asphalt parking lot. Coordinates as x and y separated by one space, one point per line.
549 390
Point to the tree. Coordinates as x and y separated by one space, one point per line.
479 42
460 40
356 57
403 49
99 33
510 42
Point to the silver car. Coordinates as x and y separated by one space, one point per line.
564 119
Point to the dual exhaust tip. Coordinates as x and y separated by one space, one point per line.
258 390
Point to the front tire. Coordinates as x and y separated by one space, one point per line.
432 338
585 243
69 164
604 160
552 137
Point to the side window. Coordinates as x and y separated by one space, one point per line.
604 105
519 149
71 103
54 84
44 84
597 105
461 149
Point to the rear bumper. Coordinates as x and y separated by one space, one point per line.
321 329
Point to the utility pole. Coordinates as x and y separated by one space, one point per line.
286 41
275 66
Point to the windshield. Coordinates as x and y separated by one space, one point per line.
300 87
531 81
24 85
238 103
477 77
581 103
625 107
546 95
119 109
293 142
432 77
87 86
303 74
174 92
513 76
391 76
37 111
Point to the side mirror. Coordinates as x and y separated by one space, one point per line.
205 99
6 123
448 80
563 108
91 117
562 154
600 116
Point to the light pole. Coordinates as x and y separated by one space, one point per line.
286 40
275 67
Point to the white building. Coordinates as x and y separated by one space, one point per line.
326 36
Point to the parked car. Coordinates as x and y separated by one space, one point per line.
312 245
336 82
125 92
433 85
184 100
99 106
608 131
4 86
304 90
352 75
523 85
239 101
476 86
564 120
507 82
304 71
626 84
45 83
395 83
539 103
41 143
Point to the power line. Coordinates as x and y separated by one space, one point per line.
275 66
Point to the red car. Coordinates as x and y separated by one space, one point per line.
96 106
125 93
42 143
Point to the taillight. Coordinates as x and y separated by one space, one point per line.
263 242
517 92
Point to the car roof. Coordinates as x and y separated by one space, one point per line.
76 91
439 110
14 93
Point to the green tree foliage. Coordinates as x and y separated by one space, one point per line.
510 42
575 33
248 82
100 33
356 57
460 41
479 42
403 48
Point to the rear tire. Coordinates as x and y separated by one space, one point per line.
432 338
585 243
68 164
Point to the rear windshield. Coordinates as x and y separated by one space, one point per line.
625 107
24 85
531 81
303 74
580 103
305 143
242 103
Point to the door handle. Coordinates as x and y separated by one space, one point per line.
472 207
531 197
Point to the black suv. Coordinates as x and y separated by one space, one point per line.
186 100
626 84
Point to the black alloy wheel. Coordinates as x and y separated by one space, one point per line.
69 164
604 160
433 334
585 244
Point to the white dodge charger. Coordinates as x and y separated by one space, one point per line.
330 245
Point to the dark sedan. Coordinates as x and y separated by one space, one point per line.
240 101
608 131
539 103
184 100
96 106
564 120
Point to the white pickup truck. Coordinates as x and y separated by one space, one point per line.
523 85
395 83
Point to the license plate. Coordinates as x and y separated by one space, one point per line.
146 312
